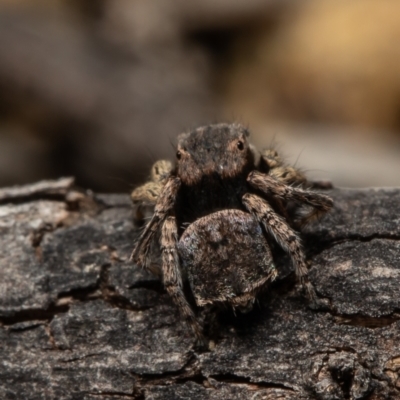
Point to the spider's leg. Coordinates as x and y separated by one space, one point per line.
160 170
319 202
285 236
147 193
164 205
272 164
288 175
144 197
172 276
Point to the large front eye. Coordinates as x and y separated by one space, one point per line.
178 155
240 145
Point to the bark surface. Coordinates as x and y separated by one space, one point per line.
78 321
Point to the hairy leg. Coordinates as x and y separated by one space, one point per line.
267 184
164 205
172 276
160 171
144 197
272 164
285 236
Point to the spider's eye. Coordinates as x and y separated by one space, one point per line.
240 145
178 155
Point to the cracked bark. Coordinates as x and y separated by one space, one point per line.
78 321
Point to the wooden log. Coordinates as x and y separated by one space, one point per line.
79 321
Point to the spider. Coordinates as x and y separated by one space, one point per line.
219 197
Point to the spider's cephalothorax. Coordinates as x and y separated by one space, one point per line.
217 170
212 164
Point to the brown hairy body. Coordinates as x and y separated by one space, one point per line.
222 197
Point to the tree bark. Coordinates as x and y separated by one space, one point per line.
79 321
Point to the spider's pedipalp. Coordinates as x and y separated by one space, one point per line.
285 236
320 203
172 275
164 205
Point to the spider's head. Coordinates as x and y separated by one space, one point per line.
221 151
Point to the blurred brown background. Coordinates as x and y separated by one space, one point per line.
99 89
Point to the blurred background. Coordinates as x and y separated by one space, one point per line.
99 89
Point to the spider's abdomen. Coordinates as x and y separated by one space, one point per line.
226 257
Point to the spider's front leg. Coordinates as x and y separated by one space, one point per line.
269 185
285 236
172 276
165 204
144 197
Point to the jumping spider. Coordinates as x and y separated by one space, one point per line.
215 211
